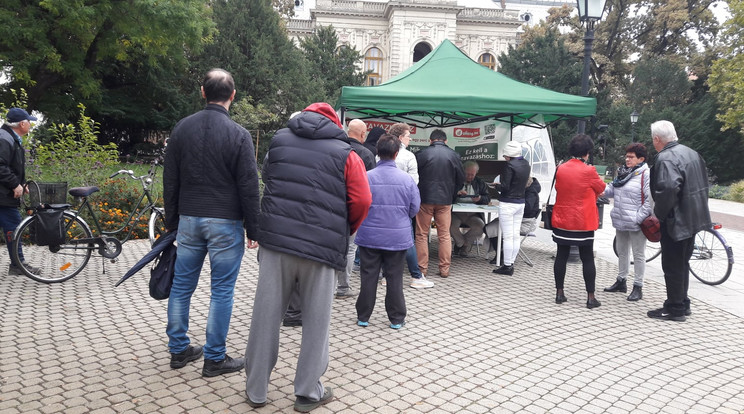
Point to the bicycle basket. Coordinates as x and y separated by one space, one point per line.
47 193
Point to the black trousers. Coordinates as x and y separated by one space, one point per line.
675 262
391 262
586 253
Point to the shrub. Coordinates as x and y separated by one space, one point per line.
74 155
736 192
113 206
718 191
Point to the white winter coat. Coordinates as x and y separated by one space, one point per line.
628 212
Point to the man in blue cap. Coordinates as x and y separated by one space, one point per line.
13 178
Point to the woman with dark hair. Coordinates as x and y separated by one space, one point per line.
575 215
632 205
372 137
385 235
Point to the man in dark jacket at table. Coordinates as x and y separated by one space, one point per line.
474 191
210 187
679 186
440 177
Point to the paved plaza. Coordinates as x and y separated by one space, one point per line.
475 343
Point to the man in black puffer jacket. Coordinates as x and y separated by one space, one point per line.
210 186
440 177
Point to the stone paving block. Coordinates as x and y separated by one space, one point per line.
534 358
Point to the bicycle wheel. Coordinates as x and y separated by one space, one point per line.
156 225
653 250
52 264
712 259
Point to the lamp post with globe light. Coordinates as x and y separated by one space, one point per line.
590 12
633 119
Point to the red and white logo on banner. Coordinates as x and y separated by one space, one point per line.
467 132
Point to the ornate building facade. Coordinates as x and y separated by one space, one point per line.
393 35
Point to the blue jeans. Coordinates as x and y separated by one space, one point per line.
224 240
412 258
10 218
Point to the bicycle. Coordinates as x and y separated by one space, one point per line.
60 262
712 258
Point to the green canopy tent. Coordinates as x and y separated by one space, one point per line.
447 88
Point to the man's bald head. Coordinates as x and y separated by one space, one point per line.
357 130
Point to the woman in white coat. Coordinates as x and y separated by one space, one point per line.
632 205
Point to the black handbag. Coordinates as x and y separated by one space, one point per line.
547 214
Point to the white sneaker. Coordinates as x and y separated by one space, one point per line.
421 283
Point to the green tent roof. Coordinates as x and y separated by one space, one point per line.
447 88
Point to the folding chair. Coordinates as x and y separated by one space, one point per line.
527 229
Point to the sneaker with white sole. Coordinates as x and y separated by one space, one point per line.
421 283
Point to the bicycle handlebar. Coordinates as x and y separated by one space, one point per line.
127 172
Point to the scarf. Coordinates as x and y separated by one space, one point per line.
624 174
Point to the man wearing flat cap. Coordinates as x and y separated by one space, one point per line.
13 178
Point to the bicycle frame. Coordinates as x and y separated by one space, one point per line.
139 209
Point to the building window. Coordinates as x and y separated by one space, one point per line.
487 60
420 50
373 63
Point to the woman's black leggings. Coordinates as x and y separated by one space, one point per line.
586 253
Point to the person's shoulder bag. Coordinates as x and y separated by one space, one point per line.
650 226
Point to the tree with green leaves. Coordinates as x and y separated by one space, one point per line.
252 44
727 79
647 28
67 52
542 59
332 65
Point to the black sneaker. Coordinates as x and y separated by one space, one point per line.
192 353
504 270
305 405
226 366
664 314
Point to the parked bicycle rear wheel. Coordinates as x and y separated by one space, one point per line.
52 264
156 225
653 250
712 259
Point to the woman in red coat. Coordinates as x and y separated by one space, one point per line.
575 215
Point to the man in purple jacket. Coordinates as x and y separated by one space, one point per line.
385 235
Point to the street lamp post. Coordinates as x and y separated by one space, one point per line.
590 12
633 119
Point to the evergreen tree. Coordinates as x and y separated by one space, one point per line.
252 44
332 65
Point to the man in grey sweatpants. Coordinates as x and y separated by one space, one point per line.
316 195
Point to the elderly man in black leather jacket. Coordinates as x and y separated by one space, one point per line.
679 186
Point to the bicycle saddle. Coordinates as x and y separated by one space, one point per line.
82 191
